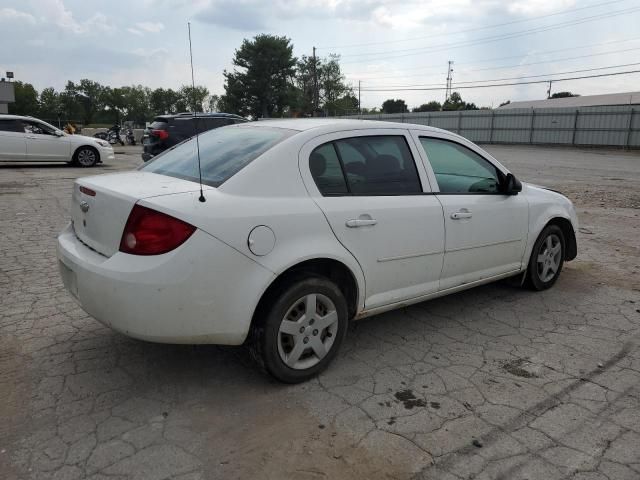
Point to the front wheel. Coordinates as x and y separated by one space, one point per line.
85 157
547 258
302 330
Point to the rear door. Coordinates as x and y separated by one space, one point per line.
372 193
13 145
43 145
486 230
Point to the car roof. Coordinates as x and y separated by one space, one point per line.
321 125
202 115
16 117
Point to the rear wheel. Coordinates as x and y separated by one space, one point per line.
303 329
86 157
547 258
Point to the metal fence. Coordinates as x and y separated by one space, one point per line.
611 126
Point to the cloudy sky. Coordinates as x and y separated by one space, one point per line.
385 44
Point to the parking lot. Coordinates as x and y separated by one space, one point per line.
493 383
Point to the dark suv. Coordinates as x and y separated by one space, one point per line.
169 130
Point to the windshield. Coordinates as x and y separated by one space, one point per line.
223 153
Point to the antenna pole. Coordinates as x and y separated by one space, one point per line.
315 84
195 115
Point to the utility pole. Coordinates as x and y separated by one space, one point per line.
549 91
449 81
359 104
315 84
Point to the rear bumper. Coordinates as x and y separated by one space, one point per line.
202 292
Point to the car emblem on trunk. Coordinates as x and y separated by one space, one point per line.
84 206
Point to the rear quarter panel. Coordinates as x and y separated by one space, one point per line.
270 192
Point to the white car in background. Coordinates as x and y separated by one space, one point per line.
27 139
306 225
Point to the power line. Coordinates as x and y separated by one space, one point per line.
538 63
455 85
563 12
497 38
487 60
502 84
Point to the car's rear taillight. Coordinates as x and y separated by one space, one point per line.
161 134
149 232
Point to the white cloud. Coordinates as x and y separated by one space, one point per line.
135 32
151 27
539 7
54 12
13 15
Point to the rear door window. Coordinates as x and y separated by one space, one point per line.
223 153
11 126
371 165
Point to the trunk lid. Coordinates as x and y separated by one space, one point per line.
99 219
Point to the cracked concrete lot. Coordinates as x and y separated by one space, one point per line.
492 383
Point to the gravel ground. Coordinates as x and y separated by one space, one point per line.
492 383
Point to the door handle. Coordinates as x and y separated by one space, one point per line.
460 214
360 222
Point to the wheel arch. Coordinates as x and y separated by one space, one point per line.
571 244
330 268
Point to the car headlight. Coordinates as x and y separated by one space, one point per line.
102 143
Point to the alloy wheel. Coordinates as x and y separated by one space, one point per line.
307 331
86 157
549 258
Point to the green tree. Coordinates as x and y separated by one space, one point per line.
137 105
212 103
432 106
261 85
193 97
89 96
455 102
50 105
26 99
163 101
113 100
505 103
394 106
564 95
71 108
346 105
333 91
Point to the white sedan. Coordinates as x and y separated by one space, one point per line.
27 139
305 225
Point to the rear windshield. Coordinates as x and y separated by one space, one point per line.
223 153
158 123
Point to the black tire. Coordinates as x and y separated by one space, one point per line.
269 343
536 278
86 157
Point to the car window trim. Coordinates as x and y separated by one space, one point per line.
342 169
500 174
344 173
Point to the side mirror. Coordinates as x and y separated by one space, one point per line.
58 133
512 185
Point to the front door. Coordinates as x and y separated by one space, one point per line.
44 145
371 192
486 230
13 146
